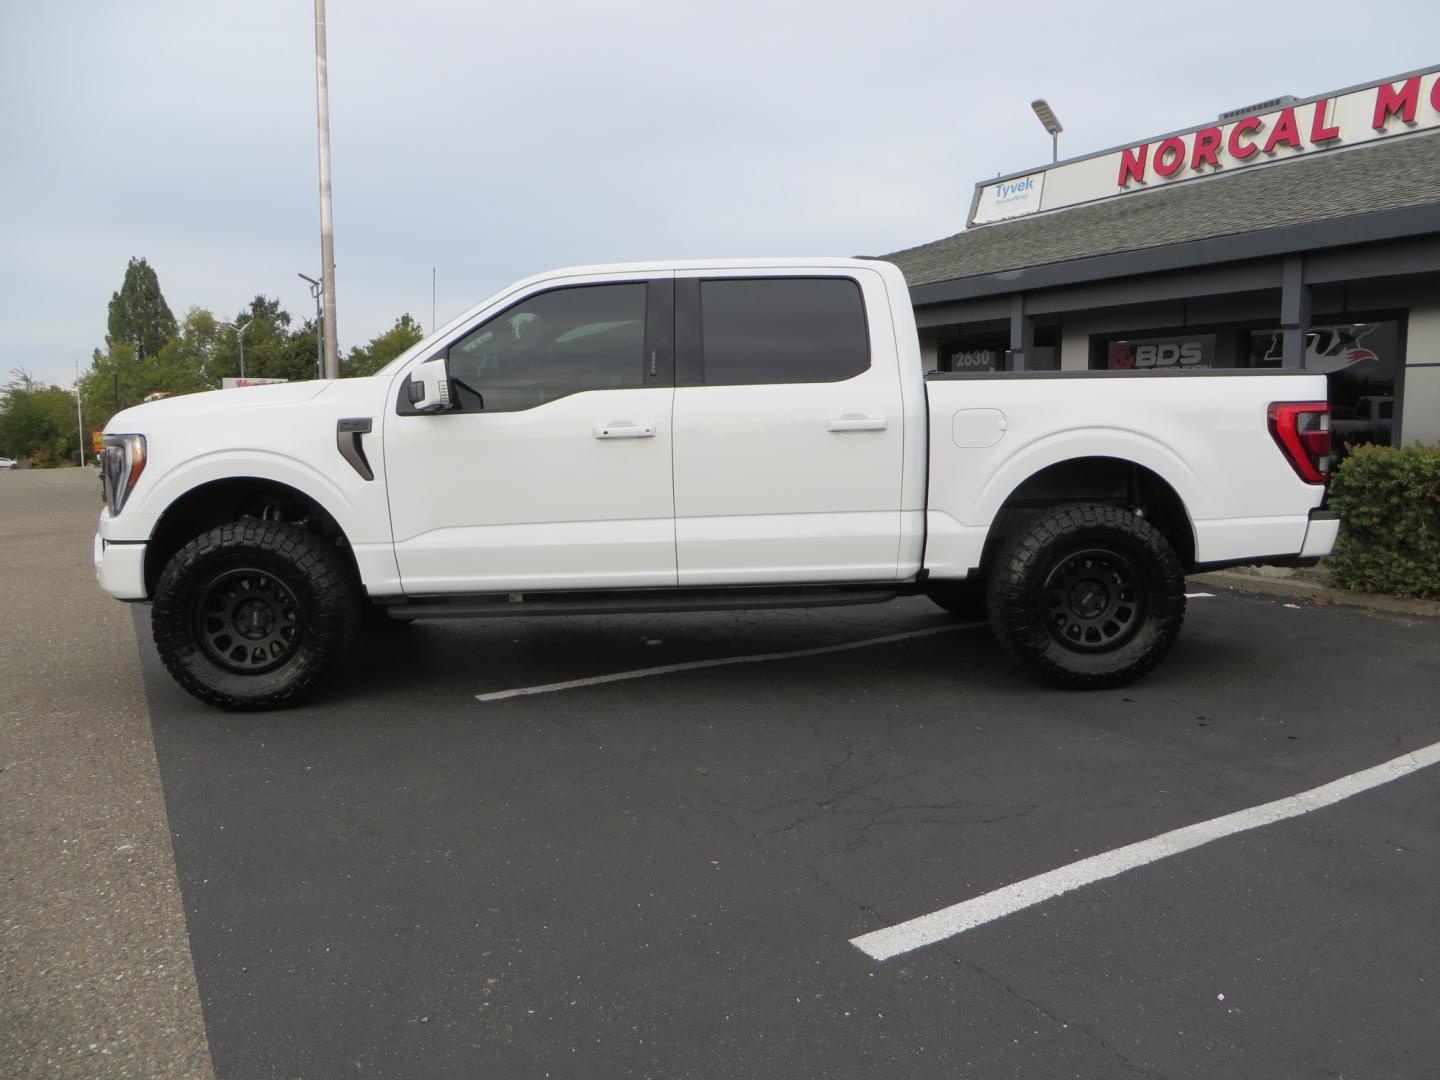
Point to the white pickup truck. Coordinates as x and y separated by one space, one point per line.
684 436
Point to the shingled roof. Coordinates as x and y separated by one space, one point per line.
1387 175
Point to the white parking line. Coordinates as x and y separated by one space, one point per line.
693 665
1197 595
947 922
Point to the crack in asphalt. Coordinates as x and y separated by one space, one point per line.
1084 1029
716 810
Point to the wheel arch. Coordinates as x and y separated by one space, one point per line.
217 502
1103 478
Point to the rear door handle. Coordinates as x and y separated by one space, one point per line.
858 423
625 430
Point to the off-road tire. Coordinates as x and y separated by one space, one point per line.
1086 596
965 599
287 561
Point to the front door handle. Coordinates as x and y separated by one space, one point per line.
625 430
857 423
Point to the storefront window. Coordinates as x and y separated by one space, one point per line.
1176 353
1363 366
993 353
1361 361
970 354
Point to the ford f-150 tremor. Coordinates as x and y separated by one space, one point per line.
683 436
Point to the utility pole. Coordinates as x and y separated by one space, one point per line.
327 237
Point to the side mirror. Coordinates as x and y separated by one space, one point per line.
430 385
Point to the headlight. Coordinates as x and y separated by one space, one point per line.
123 463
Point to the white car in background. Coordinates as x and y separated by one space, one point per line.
8 463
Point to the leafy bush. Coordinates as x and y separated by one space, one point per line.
1389 505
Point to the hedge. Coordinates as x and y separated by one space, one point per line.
1389 505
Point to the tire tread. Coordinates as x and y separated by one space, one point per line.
329 639
1021 555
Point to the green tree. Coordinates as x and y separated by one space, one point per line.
194 359
113 382
139 315
296 360
267 331
37 421
380 350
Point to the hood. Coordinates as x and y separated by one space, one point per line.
137 418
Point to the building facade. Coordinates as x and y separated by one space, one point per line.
1299 234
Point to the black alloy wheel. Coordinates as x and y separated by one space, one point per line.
1086 596
1095 600
248 621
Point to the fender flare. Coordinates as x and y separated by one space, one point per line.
1117 443
257 464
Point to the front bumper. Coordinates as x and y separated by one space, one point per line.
1320 534
120 568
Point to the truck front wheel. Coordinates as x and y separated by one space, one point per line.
1087 596
254 614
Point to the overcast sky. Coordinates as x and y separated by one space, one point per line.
494 140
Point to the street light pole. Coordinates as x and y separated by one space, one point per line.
327 236
1052 125
240 337
79 414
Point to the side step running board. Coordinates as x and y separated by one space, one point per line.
499 605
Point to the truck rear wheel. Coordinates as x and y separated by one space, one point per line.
1087 596
254 614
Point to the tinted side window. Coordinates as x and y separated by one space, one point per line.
782 330
551 345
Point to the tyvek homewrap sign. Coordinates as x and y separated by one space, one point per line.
1010 198
1380 110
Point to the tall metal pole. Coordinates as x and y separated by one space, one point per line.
315 291
79 413
240 337
327 237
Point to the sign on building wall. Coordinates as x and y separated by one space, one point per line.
1162 353
1010 198
1274 132
953 356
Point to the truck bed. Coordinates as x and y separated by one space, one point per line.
1205 434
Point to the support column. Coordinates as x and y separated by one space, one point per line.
1022 334
1294 311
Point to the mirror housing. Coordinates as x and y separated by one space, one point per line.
430 385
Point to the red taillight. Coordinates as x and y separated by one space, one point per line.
1302 431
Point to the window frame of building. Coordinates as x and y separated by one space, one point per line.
1240 330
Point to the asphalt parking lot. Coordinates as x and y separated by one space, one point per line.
661 877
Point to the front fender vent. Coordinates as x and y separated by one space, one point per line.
348 434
